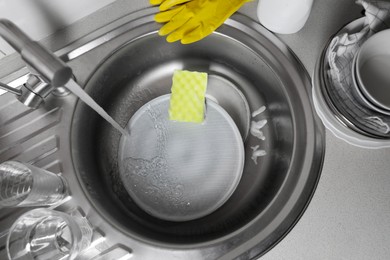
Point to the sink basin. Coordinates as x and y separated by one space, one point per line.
125 65
271 195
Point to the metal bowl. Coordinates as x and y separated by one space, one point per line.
271 195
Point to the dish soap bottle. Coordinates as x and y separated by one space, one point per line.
284 16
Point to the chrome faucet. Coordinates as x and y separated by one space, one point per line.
47 71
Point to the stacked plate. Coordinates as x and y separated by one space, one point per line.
356 106
371 72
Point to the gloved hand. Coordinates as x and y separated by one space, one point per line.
167 4
192 20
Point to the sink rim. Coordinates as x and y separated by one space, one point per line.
251 28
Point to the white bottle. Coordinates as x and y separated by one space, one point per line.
284 16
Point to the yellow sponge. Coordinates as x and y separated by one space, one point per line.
187 103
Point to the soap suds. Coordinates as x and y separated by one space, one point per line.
257 153
256 129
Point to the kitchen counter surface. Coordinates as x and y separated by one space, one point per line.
349 215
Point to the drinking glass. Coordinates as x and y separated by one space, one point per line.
44 234
22 184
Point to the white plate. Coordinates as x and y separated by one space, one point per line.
327 116
180 171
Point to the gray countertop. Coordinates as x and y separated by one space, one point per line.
349 215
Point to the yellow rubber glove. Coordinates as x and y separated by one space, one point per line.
191 21
167 4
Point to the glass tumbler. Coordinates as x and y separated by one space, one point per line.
23 185
43 234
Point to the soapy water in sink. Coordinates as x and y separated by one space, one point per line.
159 188
78 91
149 180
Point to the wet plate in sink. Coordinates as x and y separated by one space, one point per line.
180 171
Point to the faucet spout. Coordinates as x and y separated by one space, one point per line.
15 91
46 64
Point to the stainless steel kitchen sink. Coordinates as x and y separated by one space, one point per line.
126 64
